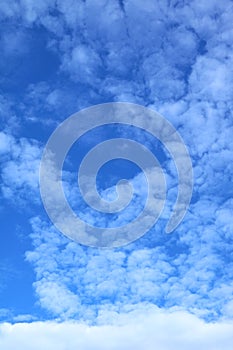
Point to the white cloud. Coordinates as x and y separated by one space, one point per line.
5 142
145 328
83 64
9 9
19 170
210 79
65 303
31 10
182 270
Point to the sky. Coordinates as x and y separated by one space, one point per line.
165 291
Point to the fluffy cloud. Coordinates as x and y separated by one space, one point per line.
145 328
178 270
20 167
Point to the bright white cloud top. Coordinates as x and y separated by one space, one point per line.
135 330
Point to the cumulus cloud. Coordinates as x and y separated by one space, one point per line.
5 142
20 167
148 328
180 270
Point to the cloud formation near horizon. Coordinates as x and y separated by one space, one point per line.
135 330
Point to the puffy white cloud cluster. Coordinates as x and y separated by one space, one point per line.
19 171
187 269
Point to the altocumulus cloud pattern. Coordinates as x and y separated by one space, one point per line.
76 126
170 291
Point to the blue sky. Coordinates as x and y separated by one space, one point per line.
175 57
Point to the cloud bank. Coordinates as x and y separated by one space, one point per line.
148 328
